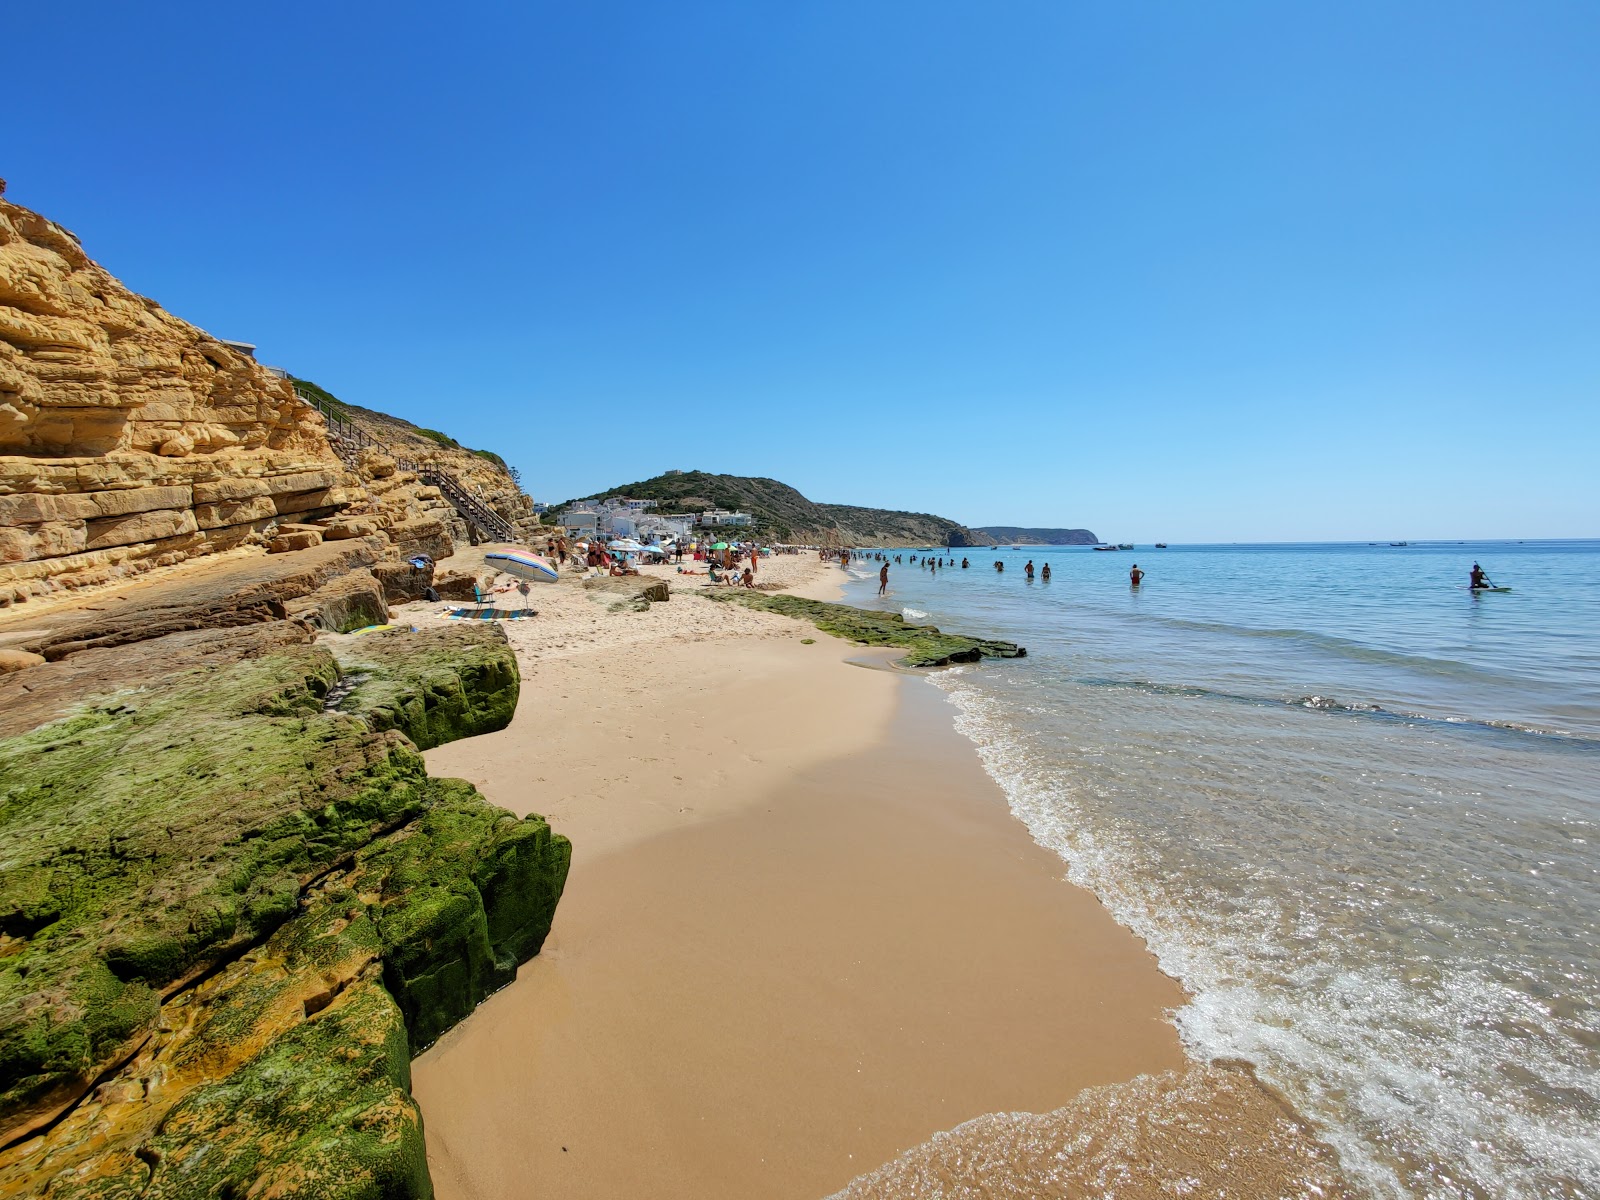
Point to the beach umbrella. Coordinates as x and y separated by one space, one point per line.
524 564
626 545
720 546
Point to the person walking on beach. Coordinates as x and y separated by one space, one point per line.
883 580
1135 576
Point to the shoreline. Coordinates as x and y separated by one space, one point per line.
789 956
859 954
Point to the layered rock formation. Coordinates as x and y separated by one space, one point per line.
233 904
129 439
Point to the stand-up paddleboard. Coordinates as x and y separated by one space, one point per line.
1465 588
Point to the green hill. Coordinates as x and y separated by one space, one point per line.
1018 535
783 514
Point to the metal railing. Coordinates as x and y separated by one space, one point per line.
348 441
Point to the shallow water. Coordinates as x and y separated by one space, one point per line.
1350 805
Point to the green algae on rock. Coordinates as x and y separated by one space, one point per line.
237 914
433 685
926 645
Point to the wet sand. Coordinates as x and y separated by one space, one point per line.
802 934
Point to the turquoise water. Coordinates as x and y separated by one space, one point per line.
1349 804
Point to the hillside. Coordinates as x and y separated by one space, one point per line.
1020 536
783 514
482 472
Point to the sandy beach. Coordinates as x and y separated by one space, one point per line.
802 932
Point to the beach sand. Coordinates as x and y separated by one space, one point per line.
802 932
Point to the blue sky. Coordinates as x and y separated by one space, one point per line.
1217 271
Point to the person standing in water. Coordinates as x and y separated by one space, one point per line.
1135 576
1045 574
883 580
1028 569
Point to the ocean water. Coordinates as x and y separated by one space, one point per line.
1350 805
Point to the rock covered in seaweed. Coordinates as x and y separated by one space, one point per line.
236 914
926 645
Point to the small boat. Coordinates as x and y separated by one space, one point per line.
1161 545
1108 547
1124 545
1399 543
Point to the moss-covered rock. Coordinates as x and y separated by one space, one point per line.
238 913
926 645
433 685
323 1110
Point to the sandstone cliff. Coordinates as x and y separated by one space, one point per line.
130 439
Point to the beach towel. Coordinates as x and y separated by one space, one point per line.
489 614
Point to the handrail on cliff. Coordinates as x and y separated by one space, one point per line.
348 440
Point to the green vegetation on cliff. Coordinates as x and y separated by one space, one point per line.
926 645
783 514
1037 537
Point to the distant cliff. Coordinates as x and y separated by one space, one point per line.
1018 535
782 514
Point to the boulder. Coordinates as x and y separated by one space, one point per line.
346 602
402 582
18 660
235 905
459 587
341 528
635 591
285 543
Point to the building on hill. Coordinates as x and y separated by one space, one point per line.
721 516
579 520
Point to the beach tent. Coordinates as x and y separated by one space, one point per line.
524 564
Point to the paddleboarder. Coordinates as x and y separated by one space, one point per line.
1479 579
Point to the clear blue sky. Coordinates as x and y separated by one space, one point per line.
1193 271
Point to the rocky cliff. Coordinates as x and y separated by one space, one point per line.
130 439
